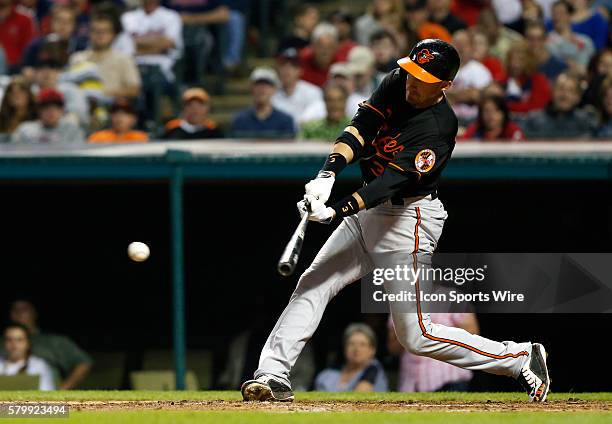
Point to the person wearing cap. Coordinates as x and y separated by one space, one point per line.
402 137
294 95
362 62
335 119
123 120
51 127
194 124
263 120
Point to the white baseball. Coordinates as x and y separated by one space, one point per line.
138 252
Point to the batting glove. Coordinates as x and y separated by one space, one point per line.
318 211
320 188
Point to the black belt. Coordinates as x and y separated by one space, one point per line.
400 201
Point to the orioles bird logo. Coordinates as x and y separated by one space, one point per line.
424 56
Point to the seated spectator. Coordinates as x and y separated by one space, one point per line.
317 58
605 109
157 33
471 79
532 13
49 67
418 26
422 374
18 105
361 371
386 52
526 88
500 37
194 124
51 127
599 69
328 128
566 45
17 30
361 60
67 360
118 72
382 14
305 19
62 29
440 13
481 52
589 21
562 118
263 120
19 360
549 65
123 121
294 95
493 123
343 21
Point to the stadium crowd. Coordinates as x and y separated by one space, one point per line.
77 71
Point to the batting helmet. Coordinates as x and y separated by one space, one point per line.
431 60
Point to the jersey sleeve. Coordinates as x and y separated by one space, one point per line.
422 156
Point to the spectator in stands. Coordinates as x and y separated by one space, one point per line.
18 105
62 28
507 11
422 374
493 123
500 37
361 59
194 124
51 127
386 52
531 14
316 59
305 19
336 120
526 88
605 110
481 52
562 118
589 21
67 360
294 95
599 69
440 13
118 72
343 21
418 26
51 62
123 121
549 65
17 30
263 120
19 359
361 371
157 33
471 79
235 33
566 45
200 12
382 14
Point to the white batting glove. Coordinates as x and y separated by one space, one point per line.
320 188
318 211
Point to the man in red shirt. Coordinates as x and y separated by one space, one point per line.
16 32
316 59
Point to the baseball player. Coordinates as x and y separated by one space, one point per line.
402 137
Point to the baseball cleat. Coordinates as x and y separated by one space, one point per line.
266 388
534 375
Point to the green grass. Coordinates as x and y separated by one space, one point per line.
282 416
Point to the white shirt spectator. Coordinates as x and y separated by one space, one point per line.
35 366
471 75
161 21
304 95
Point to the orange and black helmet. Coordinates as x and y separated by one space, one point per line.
431 61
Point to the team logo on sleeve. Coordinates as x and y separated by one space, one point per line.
425 160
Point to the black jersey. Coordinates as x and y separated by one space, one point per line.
403 138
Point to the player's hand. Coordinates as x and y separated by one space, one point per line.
317 210
320 188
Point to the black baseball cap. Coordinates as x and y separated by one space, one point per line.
431 60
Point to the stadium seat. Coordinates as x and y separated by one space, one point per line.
199 361
19 382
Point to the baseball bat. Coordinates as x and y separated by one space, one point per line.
289 258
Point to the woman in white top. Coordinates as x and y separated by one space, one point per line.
18 359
